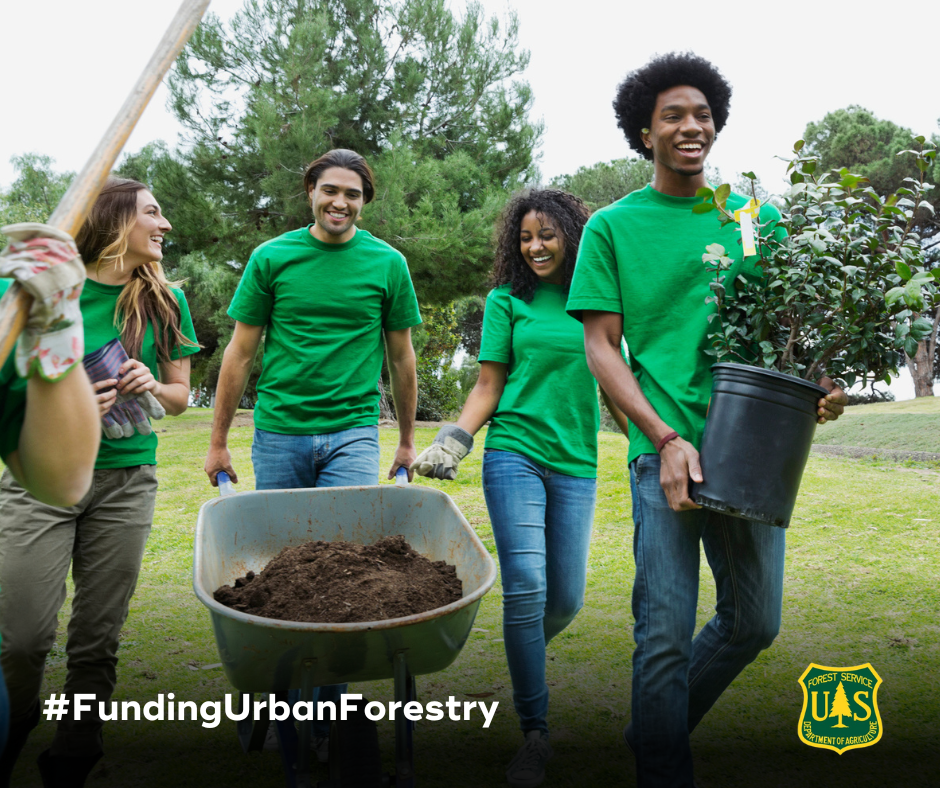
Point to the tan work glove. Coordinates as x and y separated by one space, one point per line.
441 458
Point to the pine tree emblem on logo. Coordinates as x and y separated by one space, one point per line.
840 707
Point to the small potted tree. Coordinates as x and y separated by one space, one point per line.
838 284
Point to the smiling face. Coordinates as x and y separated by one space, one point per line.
542 247
680 137
145 238
337 200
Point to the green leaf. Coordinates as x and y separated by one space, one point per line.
894 295
703 207
796 177
798 146
716 249
704 192
749 175
721 194
903 269
809 167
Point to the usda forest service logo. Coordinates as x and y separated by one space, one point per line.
840 707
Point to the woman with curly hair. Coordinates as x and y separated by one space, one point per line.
138 337
540 460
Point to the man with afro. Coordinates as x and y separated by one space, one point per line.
640 275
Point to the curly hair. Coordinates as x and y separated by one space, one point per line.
567 215
636 95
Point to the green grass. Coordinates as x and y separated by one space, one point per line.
912 425
861 586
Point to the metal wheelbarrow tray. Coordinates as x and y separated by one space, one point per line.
242 532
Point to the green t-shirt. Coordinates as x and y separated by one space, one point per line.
98 303
12 400
324 307
642 257
548 410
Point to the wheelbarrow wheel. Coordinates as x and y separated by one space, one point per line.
355 761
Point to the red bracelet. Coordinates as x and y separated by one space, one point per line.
665 439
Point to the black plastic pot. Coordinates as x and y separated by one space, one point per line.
757 439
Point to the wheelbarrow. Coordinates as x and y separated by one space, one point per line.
244 531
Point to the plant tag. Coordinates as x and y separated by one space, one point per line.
745 217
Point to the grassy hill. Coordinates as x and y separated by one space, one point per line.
912 425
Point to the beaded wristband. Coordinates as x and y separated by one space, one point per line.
665 439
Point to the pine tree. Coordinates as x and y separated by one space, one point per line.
840 706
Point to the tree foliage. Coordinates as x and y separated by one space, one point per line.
842 281
432 98
857 139
34 193
428 97
866 145
606 182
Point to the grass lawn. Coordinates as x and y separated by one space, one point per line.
912 425
861 586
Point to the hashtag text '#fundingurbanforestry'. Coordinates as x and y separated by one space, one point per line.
166 708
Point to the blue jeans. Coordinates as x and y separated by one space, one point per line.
349 458
676 679
542 525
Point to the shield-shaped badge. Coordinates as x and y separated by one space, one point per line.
840 707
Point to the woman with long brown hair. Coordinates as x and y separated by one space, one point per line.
126 298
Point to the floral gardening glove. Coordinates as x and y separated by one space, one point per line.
45 261
441 458
129 413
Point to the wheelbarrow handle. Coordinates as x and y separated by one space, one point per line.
225 484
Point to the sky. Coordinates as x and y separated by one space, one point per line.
789 63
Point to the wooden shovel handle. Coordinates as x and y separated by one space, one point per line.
72 209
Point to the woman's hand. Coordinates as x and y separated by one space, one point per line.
105 399
136 378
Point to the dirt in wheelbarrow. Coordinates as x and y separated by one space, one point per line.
342 582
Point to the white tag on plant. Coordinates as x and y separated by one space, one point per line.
744 216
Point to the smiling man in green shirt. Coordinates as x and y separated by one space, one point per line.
325 297
640 276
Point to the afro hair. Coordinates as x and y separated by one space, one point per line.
636 95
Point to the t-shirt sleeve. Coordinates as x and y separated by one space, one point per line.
254 298
12 408
186 327
400 309
496 341
596 282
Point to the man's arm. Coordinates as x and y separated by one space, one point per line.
237 361
616 414
59 439
402 369
602 333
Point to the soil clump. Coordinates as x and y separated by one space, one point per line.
341 582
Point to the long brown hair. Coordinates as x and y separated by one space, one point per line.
147 298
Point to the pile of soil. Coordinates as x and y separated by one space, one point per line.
342 582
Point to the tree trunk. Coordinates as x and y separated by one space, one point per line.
921 366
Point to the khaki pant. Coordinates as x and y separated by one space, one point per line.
103 539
